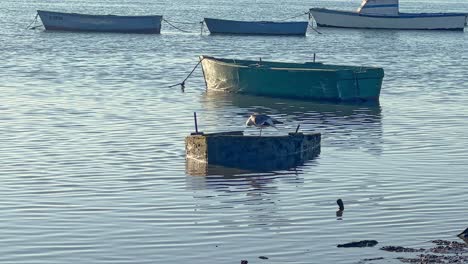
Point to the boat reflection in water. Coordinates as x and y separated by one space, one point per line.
199 168
343 126
224 179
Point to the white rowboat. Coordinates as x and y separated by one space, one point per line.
384 14
100 23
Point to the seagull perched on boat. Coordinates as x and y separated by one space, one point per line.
261 121
464 235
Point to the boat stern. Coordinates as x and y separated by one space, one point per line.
360 84
220 75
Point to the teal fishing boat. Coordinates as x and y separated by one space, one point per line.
309 80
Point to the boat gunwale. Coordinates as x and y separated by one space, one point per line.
256 63
264 137
124 31
104 16
268 28
257 22
400 15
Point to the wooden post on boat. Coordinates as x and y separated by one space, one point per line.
196 125
195 119
297 128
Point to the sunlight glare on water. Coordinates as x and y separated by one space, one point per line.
92 141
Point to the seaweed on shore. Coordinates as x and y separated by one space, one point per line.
436 259
447 252
401 249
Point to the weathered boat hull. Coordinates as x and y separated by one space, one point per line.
222 26
403 21
258 153
293 80
100 23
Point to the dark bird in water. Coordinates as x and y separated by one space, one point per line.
340 204
261 121
464 235
339 213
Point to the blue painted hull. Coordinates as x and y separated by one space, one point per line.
221 26
100 23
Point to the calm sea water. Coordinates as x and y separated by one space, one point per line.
92 141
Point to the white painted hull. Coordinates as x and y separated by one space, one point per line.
100 23
343 19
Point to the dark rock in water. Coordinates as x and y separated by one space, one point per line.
372 259
463 235
401 249
263 257
363 243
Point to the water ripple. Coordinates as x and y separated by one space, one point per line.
92 142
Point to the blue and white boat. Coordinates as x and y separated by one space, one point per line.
385 14
222 26
100 23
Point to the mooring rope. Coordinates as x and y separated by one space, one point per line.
33 22
179 22
202 27
314 29
38 26
306 13
309 17
170 24
182 84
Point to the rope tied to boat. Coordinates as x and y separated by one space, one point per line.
180 22
309 16
306 13
34 23
202 26
170 24
182 84
312 25
314 29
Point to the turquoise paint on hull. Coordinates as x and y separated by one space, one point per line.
309 80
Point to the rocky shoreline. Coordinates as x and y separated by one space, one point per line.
443 252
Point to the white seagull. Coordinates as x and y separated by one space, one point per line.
261 121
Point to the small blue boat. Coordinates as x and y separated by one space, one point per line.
100 23
222 26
